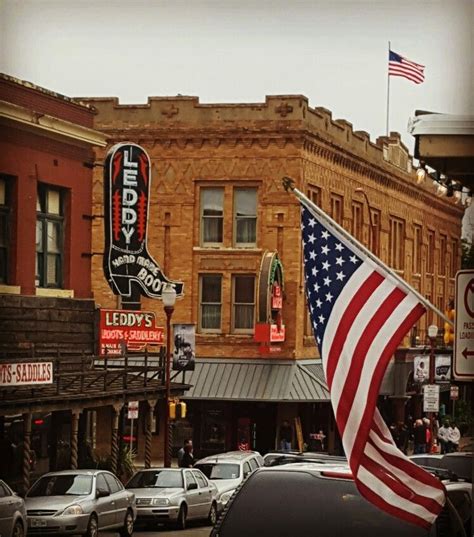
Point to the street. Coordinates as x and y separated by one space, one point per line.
195 529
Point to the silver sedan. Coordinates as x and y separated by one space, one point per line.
173 495
12 513
79 502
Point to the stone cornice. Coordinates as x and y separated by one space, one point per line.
43 123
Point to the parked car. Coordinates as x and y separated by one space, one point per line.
322 500
173 495
12 513
228 470
459 463
79 502
276 458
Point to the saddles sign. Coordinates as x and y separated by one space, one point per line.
127 260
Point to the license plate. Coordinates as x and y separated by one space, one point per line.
37 523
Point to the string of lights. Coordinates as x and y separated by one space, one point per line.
445 186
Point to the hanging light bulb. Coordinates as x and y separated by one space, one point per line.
457 195
442 190
420 175
468 201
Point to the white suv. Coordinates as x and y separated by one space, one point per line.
228 470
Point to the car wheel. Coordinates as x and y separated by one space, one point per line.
181 520
18 530
127 529
92 527
212 517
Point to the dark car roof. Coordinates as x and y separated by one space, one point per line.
306 499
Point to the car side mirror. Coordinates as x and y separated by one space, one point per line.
102 493
192 486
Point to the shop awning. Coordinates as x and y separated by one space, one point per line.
299 381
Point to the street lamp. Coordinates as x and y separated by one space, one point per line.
432 333
371 230
168 296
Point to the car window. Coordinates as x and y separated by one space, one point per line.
200 479
189 477
156 479
112 482
62 485
246 469
3 491
460 465
462 502
253 464
101 483
217 470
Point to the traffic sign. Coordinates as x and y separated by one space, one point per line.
133 410
431 398
464 326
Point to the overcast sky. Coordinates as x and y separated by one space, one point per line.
332 51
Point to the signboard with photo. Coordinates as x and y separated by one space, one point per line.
184 347
442 368
421 371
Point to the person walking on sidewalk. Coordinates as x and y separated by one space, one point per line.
443 437
454 436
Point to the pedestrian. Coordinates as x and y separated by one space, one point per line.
426 423
243 444
402 435
419 437
454 436
443 437
181 451
286 436
188 458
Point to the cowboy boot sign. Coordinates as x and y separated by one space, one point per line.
127 261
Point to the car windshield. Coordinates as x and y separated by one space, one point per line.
156 479
62 485
218 470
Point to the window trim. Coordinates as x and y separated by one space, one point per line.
396 248
200 327
235 218
5 214
202 217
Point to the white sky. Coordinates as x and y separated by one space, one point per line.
333 52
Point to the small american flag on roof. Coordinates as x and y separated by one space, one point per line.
360 314
400 66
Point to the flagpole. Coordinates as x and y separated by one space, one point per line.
388 90
287 183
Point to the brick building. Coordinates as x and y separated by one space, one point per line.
218 209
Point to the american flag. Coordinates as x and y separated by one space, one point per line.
400 66
360 314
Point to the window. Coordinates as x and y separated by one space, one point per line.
454 257
243 302
4 231
253 464
49 237
245 216
314 194
417 246
101 483
212 215
357 220
113 483
337 208
397 243
246 469
374 242
201 480
189 477
211 302
443 245
430 252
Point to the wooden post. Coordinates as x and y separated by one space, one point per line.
26 451
75 413
148 437
115 428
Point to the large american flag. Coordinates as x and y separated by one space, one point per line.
360 314
400 66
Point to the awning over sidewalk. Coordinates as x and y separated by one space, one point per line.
298 381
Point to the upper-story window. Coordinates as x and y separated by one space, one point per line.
337 209
374 236
49 237
212 216
245 216
357 220
211 303
454 257
397 243
4 229
443 246
314 194
243 303
417 245
430 250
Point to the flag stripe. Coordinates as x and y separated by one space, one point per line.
400 66
361 434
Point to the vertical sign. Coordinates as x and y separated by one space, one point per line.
464 326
